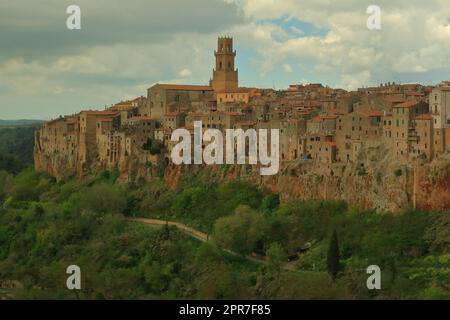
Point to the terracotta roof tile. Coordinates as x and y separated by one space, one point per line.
185 87
407 104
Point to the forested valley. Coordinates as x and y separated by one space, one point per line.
45 226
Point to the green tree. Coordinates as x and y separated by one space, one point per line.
276 256
438 233
236 193
333 256
101 198
240 232
270 203
6 182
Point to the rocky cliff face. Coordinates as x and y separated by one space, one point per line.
375 181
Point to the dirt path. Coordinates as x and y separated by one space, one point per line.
204 238
184 228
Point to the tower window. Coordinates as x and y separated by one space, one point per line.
220 65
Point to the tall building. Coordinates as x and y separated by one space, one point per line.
440 111
440 106
225 76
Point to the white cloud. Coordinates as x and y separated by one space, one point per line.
296 30
185 73
287 68
415 37
105 65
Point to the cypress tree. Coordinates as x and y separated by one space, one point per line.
333 256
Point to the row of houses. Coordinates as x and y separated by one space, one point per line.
315 122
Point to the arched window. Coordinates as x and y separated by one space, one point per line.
220 65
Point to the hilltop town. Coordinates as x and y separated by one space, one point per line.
380 135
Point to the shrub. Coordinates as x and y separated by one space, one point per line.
240 232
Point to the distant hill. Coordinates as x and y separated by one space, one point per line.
19 123
16 145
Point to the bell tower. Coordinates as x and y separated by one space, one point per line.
225 76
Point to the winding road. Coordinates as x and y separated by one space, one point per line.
182 227
203 237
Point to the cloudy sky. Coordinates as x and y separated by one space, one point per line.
124 47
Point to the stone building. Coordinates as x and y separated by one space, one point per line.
88 125
292 133
422 146
403 129
56 144
321 148
439 101
357 130
160 96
